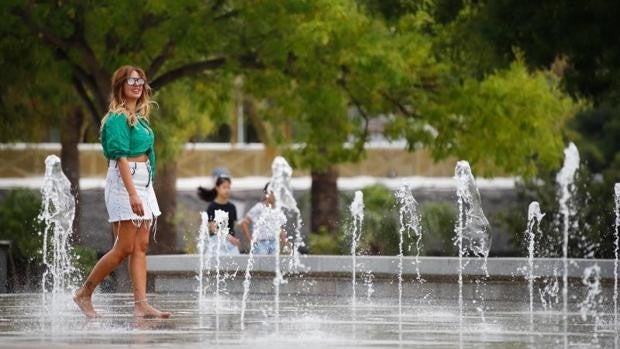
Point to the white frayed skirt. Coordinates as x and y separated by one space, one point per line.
117 197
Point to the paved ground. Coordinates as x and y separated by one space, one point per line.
295 322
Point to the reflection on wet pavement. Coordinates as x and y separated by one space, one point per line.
27 321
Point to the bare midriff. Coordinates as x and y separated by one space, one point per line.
140 158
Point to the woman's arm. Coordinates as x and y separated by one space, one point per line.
245 228
134 199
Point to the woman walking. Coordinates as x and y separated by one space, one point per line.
127 141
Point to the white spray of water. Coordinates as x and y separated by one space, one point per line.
534 216
616 250
203 235
357 216
472 237
280 183
271 222
221 222
591 304
550 290
410 224
57 213
565 179
248 277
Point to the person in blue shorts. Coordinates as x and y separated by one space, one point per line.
264 240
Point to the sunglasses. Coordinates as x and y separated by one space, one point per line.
135 81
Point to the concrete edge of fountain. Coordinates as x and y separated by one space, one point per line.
174 273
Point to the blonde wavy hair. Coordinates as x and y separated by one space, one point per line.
118 104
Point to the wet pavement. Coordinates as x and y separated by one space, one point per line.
29 321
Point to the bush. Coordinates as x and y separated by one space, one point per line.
594 219
380 229
322 242
84 259
438 219
380 226
19 223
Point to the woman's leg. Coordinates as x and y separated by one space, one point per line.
137 269
123 247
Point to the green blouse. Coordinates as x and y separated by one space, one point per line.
119 139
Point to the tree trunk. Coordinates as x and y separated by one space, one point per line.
166 191
324 201
251 112
70 135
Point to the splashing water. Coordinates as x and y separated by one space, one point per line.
280 183
591 304
368 282
357 215
410 223
472 238
269 223
248 274
221 223
534 216
278 220
549 291
57 213
616 250
203 235
565 179
474 225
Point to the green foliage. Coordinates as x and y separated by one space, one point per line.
34 93
324 66
438 221
380 234
188 109
583 36
591 227
595 133
380 226
19 223
84 259
498 123
324 243
579 43
460 99
61 56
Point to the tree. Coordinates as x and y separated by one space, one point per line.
579 41
33 95
84 41
582 35
339 70
324 67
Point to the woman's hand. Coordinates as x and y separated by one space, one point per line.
233 240
245 228
134 200
136 204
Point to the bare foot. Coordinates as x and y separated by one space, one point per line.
85 304
145 310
